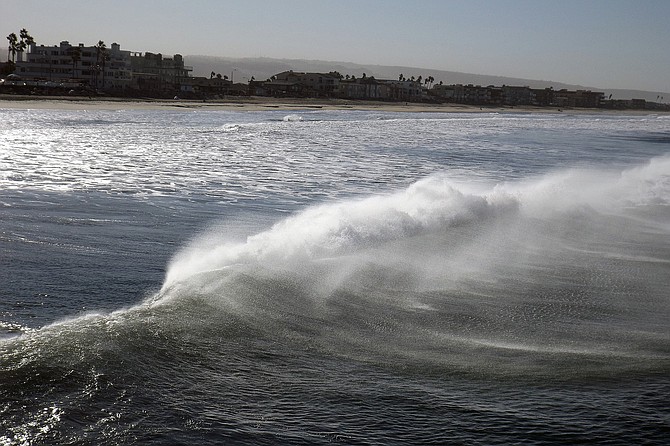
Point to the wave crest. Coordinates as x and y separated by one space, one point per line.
342 228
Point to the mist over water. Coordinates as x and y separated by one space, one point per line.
264 278
536 266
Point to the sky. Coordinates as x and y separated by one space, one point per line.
595 43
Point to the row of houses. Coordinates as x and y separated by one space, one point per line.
97 68
334 85
515 95
123 72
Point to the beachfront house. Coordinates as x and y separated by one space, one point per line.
305 84
362 88
76 65
101 68
154 73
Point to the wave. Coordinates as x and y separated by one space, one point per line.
570 262
560 275
432 205
292 118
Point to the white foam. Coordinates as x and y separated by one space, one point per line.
343 227
429 206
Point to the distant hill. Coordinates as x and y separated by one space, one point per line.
242 69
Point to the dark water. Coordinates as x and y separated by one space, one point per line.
488 280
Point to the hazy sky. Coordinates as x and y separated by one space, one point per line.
597 43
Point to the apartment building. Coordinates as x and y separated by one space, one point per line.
156 73
363 88
77 65
102 69
310 84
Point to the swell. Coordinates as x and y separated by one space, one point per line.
566 271
556 276
562 277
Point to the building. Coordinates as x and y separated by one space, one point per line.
96 68
443 92
153 73
403 90
206 87
77 65
512 95
309 84
362 88
544 97
579 98
321 85
465 94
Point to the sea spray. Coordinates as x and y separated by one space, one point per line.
511 260
346 227
429 205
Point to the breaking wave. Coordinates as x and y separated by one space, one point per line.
560 277
561 274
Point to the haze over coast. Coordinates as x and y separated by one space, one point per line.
243 69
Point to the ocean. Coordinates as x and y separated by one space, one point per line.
190 276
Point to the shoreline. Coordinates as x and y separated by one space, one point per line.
256 103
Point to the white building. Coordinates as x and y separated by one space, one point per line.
84 65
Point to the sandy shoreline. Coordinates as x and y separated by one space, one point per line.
286 104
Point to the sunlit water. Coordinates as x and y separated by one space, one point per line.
211 277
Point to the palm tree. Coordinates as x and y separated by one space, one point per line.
18 44
100 51
105 57
13 47
75 54
25 40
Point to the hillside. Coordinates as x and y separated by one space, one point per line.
242 69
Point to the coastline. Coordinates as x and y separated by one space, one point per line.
286 104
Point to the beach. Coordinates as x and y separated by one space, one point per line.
256 103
